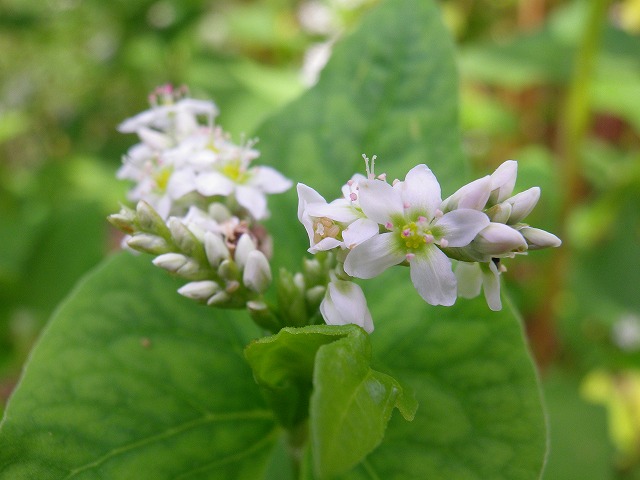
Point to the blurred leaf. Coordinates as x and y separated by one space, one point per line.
130 378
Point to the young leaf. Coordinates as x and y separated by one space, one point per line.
130 380
350 405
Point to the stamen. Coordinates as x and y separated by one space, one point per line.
428 238
350 182
406 205
395 182
422 219
388 226
353 197
444 243
410 256
382 176
438 213
406 233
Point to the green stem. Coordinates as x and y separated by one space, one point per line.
296 441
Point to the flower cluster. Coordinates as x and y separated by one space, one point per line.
376 225
199 200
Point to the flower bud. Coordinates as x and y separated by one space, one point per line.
498 240
182 236
499 213
123 220
522 204
179 264
474 195
314 296
502 181
215 249
257 272
153 138
345 303
219 299
145 242
243 248
315 273
150 221
199 290
263 316
229 270
538 239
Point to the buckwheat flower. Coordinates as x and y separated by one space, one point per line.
232 175
415 229
503 180
340 223
344 303
472 277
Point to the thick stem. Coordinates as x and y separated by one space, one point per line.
296 441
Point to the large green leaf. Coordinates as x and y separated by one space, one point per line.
480 414
391 90
131 381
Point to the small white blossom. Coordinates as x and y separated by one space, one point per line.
415 228
472 277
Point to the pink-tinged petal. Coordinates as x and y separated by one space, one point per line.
339 210
474 195
522 204
213 183
359 231
327 243
503 180
460 227
491 286
269 180
379 201
345 304
373 256
469 277
433 277
420 192
253 200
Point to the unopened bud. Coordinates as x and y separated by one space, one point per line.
229 270
145 242
474 195
315 295
215 248
522 204
257 272
243 248
498 240
538 239
180 265
315 272
219 212
263 316
184 239
150 221
199 290
153 138
502 181
219 299
499 213
124 220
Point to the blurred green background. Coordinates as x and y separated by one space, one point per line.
554 84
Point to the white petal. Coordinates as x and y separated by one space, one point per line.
379 201
421 192
253 200
213 183
257 272
269 180
491 286
324 244
306 196
498 240
154 139
244 247
503 180
538 239
469 277
522 204
432 276
473 195
373 256
339 210
459 227
344 304
180 183
359 231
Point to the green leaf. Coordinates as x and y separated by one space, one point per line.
391 90
480 412
130 380
351 404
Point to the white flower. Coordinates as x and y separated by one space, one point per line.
344 303
340 223
410 212
538 239
232 175
474 276
503 180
